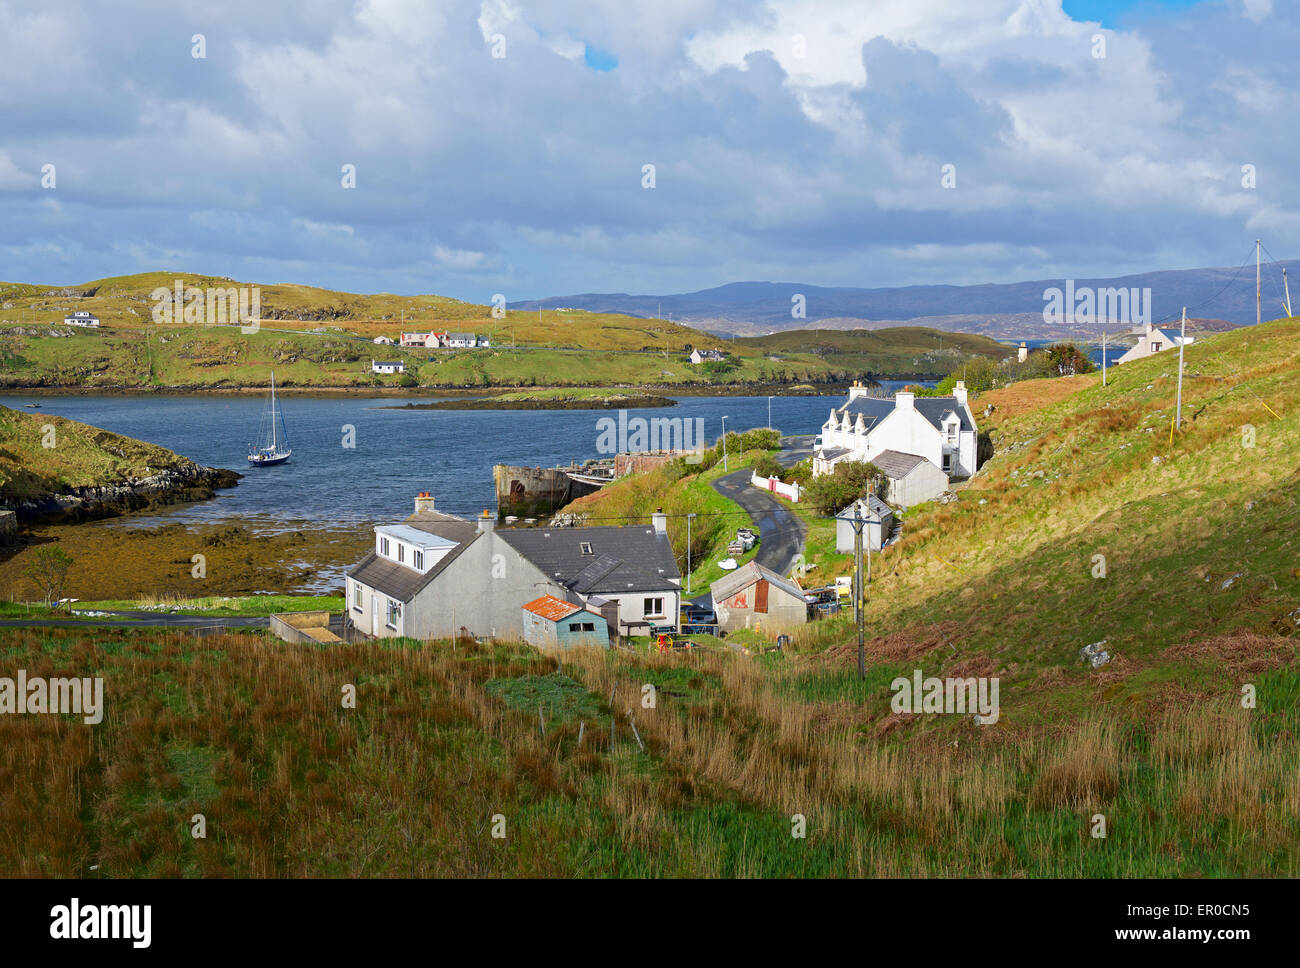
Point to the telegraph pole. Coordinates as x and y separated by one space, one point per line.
1182 339
1103 357
1257 304
688 552
858 589
1287 287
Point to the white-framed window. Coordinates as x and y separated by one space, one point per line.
417 559
653 606
394 614
585 547
1155 347
357 605
383 547
947 463
401 552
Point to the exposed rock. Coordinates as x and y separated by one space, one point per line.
1094 654
188 482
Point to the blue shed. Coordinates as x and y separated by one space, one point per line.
551 622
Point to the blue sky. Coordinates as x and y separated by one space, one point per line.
504 146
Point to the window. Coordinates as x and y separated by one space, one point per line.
653 606
383 547
356 597
401 552
417 559
1155 347
575 626
947 463
394 614
586 547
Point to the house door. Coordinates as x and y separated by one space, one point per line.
760 596
374 613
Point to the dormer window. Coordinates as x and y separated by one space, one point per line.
417 560
383 547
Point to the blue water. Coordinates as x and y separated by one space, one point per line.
397 454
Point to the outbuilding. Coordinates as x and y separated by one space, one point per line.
756 597
912 478
550 622
879 525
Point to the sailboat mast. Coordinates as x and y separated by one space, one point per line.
273 444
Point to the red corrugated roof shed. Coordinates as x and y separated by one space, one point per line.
550 607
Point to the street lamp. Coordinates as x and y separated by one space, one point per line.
724 444
769 413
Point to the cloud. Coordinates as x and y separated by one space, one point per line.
791 139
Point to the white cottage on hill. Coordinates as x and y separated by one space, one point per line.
940 430
1152 340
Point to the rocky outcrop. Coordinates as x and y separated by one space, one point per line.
177 485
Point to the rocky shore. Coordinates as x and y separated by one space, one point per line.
177 485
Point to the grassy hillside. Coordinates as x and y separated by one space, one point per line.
318 337
78 455
903 349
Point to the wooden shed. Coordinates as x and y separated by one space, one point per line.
550 622
754 596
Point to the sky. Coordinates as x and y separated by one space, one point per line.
505 146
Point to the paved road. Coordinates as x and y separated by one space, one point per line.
781 534
127 620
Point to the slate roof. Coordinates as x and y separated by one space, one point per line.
896 464
835 453
872 504
623 559
402 583
746 575
933 409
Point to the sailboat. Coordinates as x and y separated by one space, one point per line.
272 445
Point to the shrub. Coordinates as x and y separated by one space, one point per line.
831 493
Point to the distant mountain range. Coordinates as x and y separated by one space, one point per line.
1215 299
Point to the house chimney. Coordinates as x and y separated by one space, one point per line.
959 392
904 399
486 522
660 521
1023 353
423 502
857 390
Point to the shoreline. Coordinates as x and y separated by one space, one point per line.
455 393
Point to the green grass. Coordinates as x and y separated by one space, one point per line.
251 605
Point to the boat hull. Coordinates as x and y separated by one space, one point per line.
267 461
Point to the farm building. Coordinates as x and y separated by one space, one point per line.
756 597
880 523
554 623
912 479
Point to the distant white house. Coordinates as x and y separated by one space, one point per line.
699 356
387 341
387 366
940 430
461 340
81 318
1152 340
483 341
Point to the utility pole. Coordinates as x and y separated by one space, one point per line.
1182 339
1103 357
857 588
769 413
724 445
1287 287
688 552
1257 303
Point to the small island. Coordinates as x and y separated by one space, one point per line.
551 398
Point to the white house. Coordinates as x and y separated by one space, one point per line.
81 318
435 575
461 340
385 340
910 478
482 342
699 356
430 340
1152 340
940 430
387 366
